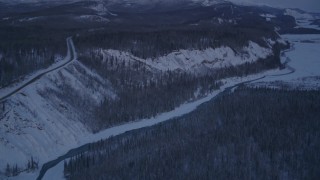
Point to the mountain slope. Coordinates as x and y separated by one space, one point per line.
44 118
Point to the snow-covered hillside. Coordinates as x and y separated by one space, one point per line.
303 19
45 118
92 18
198 60
297 15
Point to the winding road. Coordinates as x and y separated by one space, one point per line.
72 57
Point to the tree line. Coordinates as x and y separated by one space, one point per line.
158 42
24 50
14 170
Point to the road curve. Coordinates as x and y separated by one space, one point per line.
71 53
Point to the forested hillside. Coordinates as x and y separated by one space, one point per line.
143 91
154 42
24 50
248 134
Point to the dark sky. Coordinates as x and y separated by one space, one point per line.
309 5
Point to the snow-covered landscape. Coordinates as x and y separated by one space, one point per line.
144 65
84 137
304 59
305 68
302 19
40 113
80 136
31 119
192 60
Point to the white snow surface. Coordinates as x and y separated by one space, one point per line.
193 60
297 15
56 173
208 2
304 58
43 125
30 19
92 18
101 9
268 16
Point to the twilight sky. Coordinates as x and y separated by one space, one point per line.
308 5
